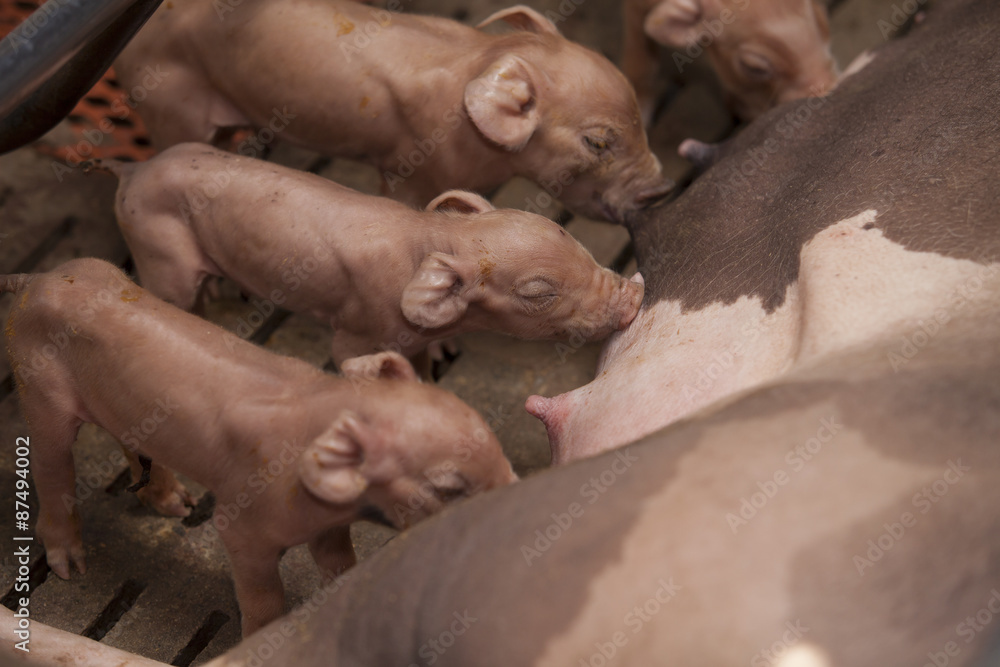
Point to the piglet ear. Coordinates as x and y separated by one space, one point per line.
329 467
675 23
460 201
522 18
435 297
501 103
384 365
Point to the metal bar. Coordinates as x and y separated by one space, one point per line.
51 101
47 40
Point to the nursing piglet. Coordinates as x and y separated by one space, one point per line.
229 411
384 275
765 52
433 103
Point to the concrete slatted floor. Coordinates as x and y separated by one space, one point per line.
161 587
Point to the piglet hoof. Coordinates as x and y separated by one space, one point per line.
172 500
61 558
443 350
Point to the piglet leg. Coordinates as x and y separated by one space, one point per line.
163 492
199 118
423 365
176 278
333 552
52 435
255 573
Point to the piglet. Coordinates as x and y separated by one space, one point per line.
765 52
300 452
432 103
385 276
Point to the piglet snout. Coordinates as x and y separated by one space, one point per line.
654 194
631 299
